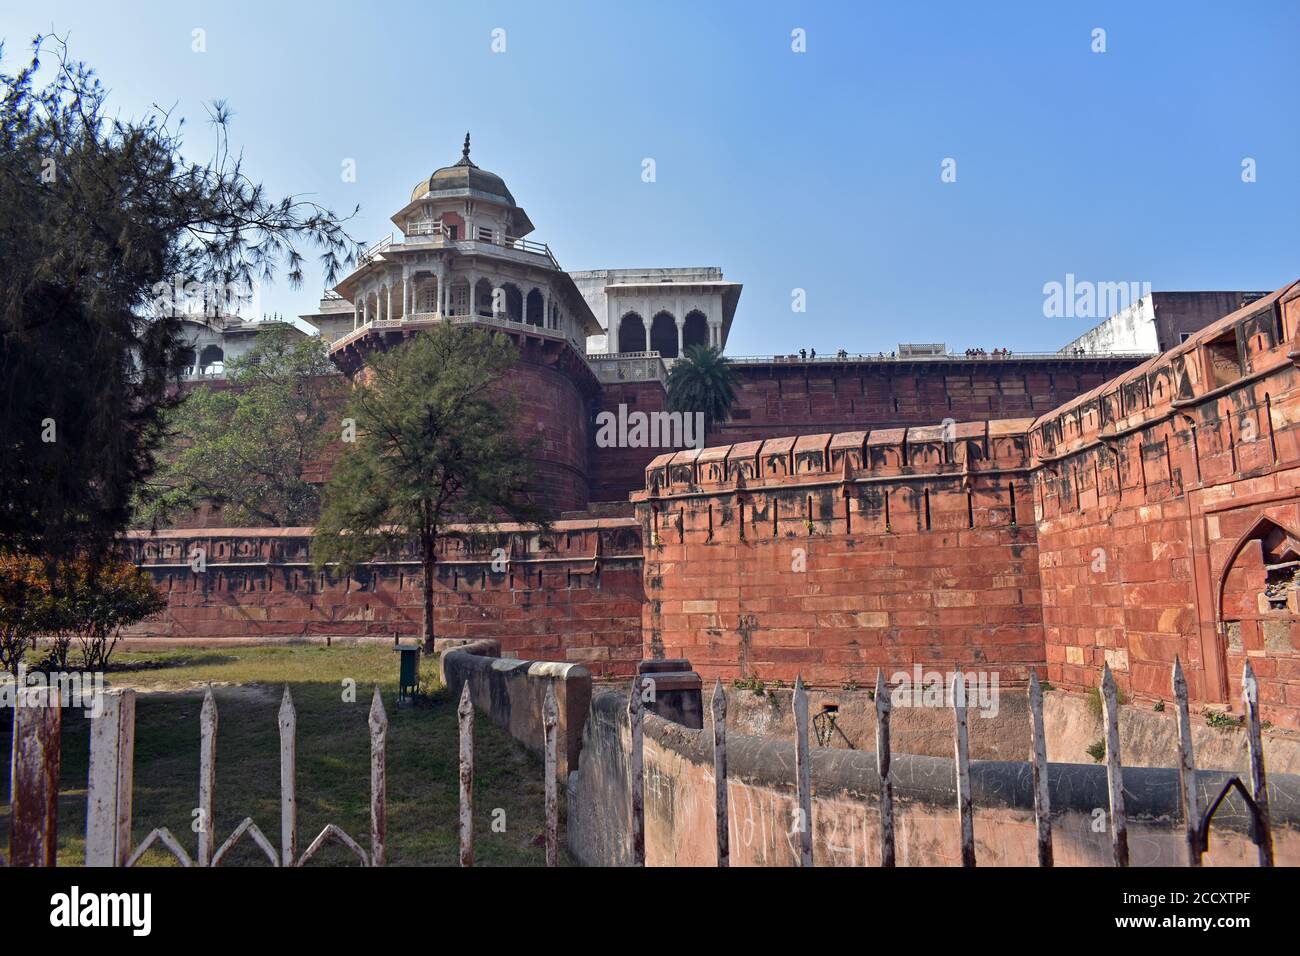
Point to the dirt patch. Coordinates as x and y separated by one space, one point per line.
244 693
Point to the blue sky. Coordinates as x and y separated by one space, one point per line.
816 170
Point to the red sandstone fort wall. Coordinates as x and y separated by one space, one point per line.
1157 516
1167 501
1154 516
617 471
552 412
779 399
552 388
834 555
573 594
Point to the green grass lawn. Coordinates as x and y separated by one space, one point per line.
333 758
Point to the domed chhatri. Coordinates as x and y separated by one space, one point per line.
464 251
463 175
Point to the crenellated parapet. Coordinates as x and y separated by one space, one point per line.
1153 518
571 592
1223 382
828 556
954 475
949 448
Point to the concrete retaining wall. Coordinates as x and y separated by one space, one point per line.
1147 738
679 800
511 693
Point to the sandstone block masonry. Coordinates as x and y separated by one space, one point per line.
833 555
1155 516
573 594
786 396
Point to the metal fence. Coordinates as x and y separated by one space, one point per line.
33 836
1196 819
35 781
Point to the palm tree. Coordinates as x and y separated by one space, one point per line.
702 380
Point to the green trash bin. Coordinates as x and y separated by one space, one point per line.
408 678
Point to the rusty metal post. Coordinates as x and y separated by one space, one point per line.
803 772
34 795
207 777
466 714
288 721
378 778
1258 781
636 771
550 730
109 784
1114 770
1042 799
961 749
882 768
721 823
1187 769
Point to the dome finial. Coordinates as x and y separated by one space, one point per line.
465 152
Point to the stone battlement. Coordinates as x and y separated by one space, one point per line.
1154 517
952 449
572 593
1250 345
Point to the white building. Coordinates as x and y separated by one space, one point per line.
210 342
658 310
1158 321
461 252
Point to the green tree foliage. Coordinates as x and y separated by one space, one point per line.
435 442
703 380
247 449
101 217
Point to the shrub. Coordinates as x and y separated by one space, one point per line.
24 607
1094 701
76 603
93 605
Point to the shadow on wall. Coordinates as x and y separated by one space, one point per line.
1072 724
679 805
511 693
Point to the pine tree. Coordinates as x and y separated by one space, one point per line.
435 442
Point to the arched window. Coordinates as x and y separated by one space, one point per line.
631 333
663 335
514 302
483 298
186 361
212 361
695 331
535 306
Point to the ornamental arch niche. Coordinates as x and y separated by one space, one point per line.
514 302
534 307
631 333
483 299
187 362
1258 598
695 330
212 359
663 335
